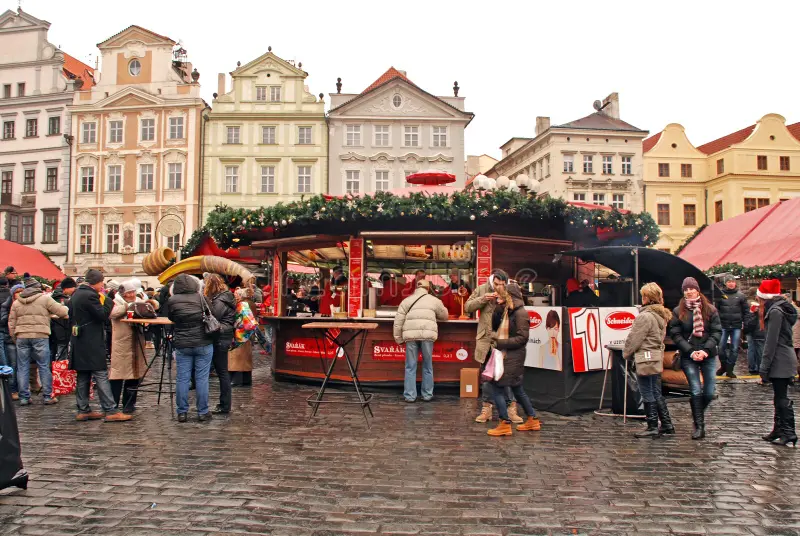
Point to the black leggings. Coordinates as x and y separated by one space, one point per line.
127 389
780 390
220 365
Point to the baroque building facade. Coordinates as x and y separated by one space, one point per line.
390 130
37 82
596 159
136 155
266 139
688 186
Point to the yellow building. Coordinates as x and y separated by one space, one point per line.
688 186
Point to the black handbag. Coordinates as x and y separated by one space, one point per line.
210 322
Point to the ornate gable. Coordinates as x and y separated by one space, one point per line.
268 62
11 20
129 97
401 99
135 33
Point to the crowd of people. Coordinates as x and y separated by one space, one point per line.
83 321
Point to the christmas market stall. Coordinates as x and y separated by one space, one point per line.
357 257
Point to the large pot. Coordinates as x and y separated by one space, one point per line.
158 261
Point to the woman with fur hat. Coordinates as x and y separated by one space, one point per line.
696 329
128 363
645 345
777 316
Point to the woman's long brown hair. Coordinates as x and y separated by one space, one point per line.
706 308
214 285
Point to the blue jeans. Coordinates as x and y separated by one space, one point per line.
755 349
500 400
11 361
693 369
3 338
197 360
39 351
650 387
413 349
735 335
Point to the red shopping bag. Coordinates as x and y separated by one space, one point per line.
63 378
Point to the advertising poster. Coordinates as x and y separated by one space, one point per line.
484 260
443 352
309 347
544 348
615 325
277 275
591 329
356 281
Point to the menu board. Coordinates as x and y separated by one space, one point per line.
277 276
356 280
484 264
443 351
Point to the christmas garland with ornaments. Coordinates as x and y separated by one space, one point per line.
787 269
229 226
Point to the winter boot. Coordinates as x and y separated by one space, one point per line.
666 427
698 417
531 425
513 415
729 370
485 414
788 434
502 429
776 427
651 413
722 366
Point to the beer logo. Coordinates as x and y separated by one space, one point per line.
535 319
620 320
461 354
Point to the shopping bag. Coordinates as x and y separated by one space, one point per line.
63 379
488 370
245 325
498 364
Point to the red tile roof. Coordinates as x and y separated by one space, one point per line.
74 68
794 130
389 75
650 142
726 141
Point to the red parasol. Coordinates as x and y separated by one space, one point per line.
431 177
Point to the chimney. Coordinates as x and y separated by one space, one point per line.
221 84
542 124
611 105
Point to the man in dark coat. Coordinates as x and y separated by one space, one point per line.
88 311
60 328
5 293
732 307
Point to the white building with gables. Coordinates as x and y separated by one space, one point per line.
390 130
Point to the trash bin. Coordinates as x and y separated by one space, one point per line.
11 471
618 385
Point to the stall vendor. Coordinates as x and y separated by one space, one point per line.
391 295
419 275
330 296
451 297
580 294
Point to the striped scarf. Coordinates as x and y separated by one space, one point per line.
697 316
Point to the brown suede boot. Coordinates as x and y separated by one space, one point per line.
531 425
513 415
502 429
485 414
117 417
91 416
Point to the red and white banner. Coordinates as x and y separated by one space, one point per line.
309 347
591 329
443 351
356 278
277 276
484 260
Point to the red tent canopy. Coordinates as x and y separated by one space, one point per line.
431 177
769 235
25 259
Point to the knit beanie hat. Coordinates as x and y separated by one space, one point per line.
690 282
68 282
31 282
16 288
94 277
769 288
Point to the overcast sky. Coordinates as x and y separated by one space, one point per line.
715 67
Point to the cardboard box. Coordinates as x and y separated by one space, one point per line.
469 382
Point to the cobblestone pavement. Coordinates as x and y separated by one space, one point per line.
424 468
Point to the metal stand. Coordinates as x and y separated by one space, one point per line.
166 366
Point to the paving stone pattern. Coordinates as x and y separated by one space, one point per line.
424 468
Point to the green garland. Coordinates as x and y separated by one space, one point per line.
229 226
691 237
788 269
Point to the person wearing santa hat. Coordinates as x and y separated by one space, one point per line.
696 329
777 316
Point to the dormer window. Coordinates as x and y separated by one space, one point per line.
134 68
397 101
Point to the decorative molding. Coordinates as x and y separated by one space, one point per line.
440 158
84 217
352 156
382 156
411 156
134 49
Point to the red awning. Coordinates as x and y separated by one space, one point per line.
769 235
431 177
25 259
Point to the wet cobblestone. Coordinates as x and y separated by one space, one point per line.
421 469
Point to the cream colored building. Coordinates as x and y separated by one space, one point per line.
136 155
266 139
596 159
37 81
688 186
477 164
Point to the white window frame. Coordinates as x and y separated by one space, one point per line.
174 242
261 93
618 201
175 175
305 140
599 199
115 129
9 130
109 234
411 134
439 136
264 138
569 163
150 185
114 179
353 135
274 93
547 166
231 185
627 165
588 163
375 135
176 128
144 238
304 179
352 182
382 176
85 232
608 164
147 129
267 179
232 135
87 179
89 132
580 197
31 132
